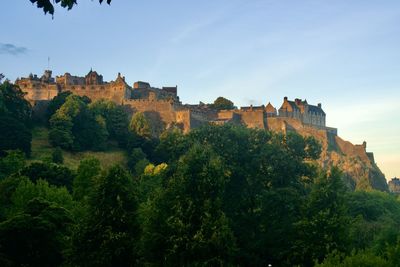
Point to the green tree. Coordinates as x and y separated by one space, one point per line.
173 144
75 127
7 189
54 174
57 156
84 182
35 237
56 103
12 163
60 134
185 224
360 258
140 125
14 135
323 228
108 233
137 161
15 119
116 119
222 103
14 103
27 190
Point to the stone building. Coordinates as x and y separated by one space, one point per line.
163 104
301 110
394 185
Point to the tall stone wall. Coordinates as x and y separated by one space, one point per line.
113 92
165 108
183 119
36 90
253 119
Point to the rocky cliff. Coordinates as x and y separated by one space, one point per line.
359 168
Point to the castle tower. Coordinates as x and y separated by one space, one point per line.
270 110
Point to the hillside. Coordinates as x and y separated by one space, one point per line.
41 150
359 167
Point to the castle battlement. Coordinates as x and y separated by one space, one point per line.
164 103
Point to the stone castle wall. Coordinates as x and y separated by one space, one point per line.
164 108
164 105
111 91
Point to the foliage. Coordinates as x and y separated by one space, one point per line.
116 119
107 235
137 161
57 156
88 170
222 103
323 227
15 119
7 189
217 196
27 190
14 103
56 103
34 237
12 163
361 258
190 213
14 135
75 127
140 125
54 174
48 6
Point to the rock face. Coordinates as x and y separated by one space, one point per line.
359 168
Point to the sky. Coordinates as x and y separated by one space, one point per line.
343 54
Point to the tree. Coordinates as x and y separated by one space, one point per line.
223 103
88 170
185 224
54 174
137 161
323 228
56 103
47 6
14 103
15 119
28 190
34 237
14 135
140 125
57 156
12 163
75 127
116 119
107 235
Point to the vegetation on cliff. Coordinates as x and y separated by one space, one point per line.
217 196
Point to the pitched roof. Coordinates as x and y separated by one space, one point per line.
293 105
315 109
270 108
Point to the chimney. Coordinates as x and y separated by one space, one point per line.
319 105
285 98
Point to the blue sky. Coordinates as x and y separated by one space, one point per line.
344 54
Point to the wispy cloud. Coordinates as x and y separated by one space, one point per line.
12 49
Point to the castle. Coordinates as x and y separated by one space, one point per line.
163 104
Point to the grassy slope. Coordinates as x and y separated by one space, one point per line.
41 150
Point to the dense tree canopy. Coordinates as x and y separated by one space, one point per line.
217 196
15 119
